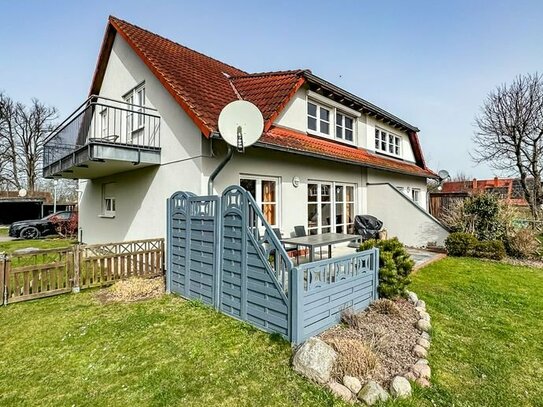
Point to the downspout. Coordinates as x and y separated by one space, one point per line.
229 155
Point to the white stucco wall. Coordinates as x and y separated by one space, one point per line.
284 167
141 194
402 219
294 116
399 180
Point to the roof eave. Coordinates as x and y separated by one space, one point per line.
311 78
347 161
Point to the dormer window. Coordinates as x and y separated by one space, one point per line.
387 143
318 118
344 127
320 122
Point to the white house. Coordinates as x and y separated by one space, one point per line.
149 129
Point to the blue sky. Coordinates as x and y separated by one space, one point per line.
429 62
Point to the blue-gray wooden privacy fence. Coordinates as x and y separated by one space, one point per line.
221 251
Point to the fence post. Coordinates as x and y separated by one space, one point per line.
6 268
2 277
376 273
169 226
296 297
77 267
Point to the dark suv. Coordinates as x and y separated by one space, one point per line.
32 229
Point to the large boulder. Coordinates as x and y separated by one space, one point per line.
400 387
315 360
352 383
340 391
372 393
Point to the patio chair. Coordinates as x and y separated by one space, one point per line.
289 248
299 231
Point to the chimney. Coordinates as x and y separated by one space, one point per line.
495 182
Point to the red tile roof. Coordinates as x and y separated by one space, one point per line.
203 86
293 141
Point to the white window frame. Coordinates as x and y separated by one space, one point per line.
415 195
384 138
332 122
343 128
109 202
258 192
136 101
333 213
104 122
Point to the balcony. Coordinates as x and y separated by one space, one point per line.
103 137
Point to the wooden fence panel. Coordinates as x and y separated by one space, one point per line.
104 264
43 273
38 274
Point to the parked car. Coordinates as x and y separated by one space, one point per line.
32 229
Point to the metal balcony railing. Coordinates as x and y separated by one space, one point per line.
100 120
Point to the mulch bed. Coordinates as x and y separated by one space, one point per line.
131 290
390 337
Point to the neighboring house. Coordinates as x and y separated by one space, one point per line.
508 189
325 156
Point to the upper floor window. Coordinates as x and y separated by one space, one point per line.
387 142
344 127
415 195
135 120
320 120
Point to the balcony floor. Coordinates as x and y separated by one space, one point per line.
97 160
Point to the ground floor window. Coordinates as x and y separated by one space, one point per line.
108 199
266 193
330 207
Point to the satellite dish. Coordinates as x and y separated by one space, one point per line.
22 192
443 174
241 124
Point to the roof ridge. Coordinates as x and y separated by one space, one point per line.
271 73
111 17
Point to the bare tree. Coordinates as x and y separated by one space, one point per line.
22 132
510 134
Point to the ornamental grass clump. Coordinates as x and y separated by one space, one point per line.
395 266
355 358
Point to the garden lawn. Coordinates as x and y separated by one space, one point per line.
46 243
71 350
487 319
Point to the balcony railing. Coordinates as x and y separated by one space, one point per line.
104 121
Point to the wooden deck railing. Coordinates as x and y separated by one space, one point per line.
43 273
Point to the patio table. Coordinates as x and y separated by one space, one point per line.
324 239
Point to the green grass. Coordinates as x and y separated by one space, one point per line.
487 345
487 349
46 243
3 231
69 350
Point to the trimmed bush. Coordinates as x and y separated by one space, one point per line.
460 244
490 249
395 265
